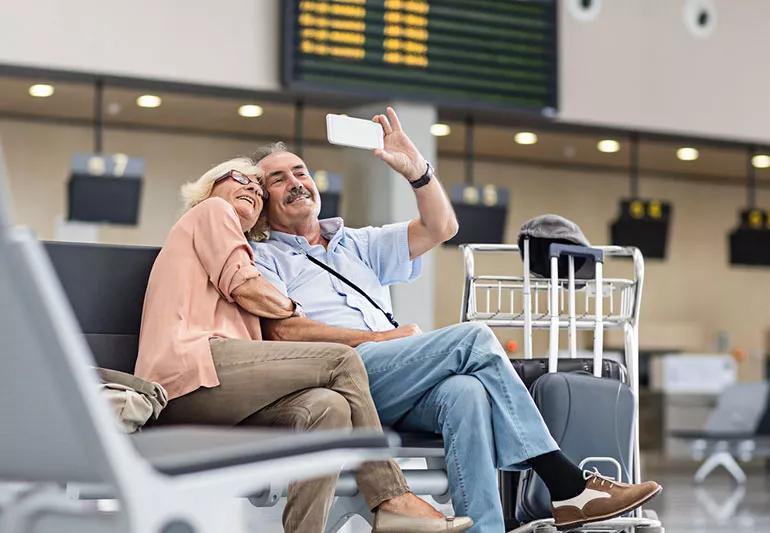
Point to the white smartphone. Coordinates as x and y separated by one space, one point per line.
355 132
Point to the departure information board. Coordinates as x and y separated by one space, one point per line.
474 53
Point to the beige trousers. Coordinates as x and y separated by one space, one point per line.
301 385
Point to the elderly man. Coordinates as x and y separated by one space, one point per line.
201 339
456 381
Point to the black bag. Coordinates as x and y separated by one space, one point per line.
529 370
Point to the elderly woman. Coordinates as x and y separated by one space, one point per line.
201 339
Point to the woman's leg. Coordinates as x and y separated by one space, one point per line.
308 410
254 374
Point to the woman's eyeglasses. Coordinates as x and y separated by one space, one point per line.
243 179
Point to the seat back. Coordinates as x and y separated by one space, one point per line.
105 286
740 408
54 426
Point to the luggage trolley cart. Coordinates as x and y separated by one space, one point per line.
554 304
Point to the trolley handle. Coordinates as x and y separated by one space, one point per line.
557 250
595 255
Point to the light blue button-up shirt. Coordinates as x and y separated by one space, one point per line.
370 257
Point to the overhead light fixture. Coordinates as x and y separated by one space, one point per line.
687 153
250 111
440 130
41 90
149 100
525 137
761 161
608 146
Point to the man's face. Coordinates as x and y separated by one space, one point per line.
293 194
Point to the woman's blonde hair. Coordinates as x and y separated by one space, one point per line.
194 192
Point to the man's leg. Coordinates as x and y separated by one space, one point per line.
308 410
459 408
401 371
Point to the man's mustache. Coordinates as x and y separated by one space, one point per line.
297 192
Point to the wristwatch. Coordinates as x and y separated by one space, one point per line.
424 179
297 309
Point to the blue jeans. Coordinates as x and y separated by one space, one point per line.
458 381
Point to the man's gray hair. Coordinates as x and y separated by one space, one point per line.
267 149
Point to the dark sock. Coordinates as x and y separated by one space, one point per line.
562 477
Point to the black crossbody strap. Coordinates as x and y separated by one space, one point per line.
343 279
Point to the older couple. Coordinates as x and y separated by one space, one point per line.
348 364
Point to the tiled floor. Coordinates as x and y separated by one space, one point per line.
718 506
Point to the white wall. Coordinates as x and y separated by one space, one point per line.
227 43
636 66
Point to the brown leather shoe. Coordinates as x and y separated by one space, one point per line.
385 522
602 499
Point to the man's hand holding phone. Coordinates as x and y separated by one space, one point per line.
384 135
399 151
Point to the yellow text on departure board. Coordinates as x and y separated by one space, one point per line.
335 29
406 33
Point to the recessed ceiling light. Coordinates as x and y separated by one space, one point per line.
41 90
149 100
525 137
687 153
761 161
440 130
250 111
608 146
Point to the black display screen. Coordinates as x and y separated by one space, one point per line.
476 53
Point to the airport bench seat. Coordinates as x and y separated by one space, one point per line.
736 430
57 430
105 285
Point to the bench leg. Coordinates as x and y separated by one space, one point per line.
344 508
438 463
725 460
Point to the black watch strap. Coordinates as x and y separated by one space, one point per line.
424 179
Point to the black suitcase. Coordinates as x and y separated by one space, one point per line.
530 370
588 417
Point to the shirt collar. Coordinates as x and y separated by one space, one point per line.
332 229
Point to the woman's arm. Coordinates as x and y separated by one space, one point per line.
227 258
259 297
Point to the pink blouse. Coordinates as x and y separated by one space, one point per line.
189 298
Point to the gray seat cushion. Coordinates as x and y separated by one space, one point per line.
105 286
187 449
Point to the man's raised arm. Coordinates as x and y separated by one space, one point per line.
437 222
